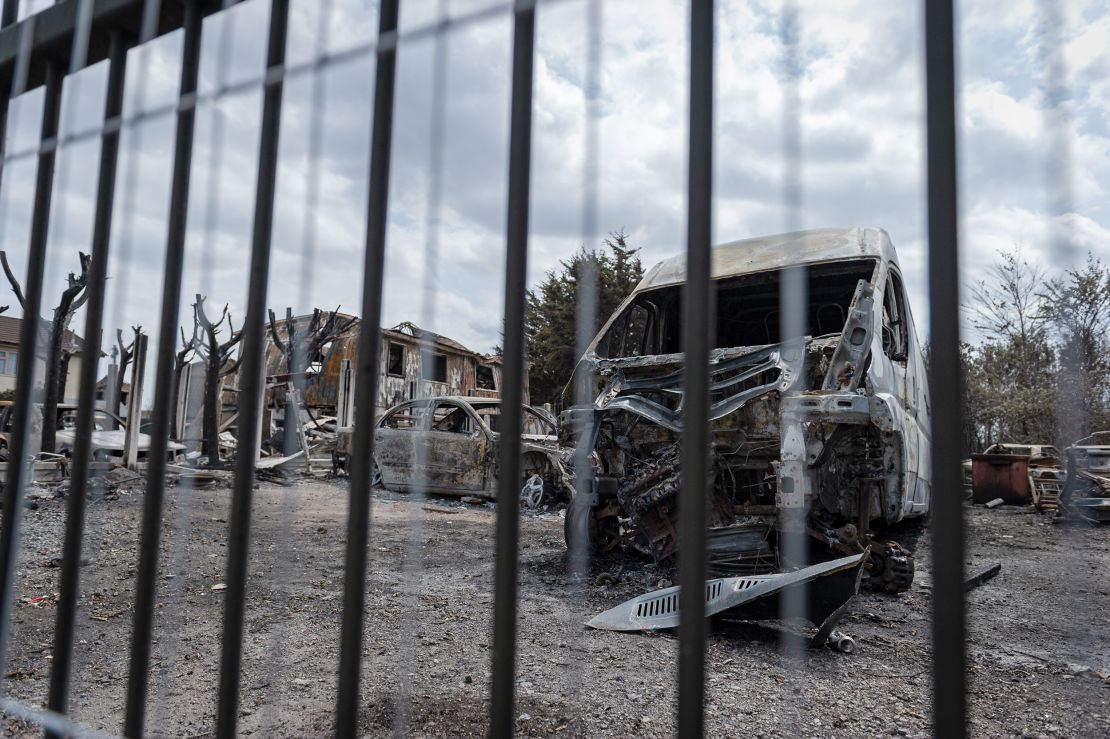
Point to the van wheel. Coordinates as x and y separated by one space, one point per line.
597 531
892 568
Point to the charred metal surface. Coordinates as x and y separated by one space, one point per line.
1086 491
449 445
835 424
659 609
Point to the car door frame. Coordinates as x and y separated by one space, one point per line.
454 462
395 449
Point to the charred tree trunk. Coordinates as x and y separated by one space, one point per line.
300 350
210 427
217 364
126 354
73 297
50 393
63 374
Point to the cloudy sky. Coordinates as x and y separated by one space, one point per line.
1035 147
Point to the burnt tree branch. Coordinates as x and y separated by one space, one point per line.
16 287
57 363
218 363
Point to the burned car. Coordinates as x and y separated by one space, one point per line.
448 445
109 434
834 423
1087 485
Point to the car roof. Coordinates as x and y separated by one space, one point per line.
781 250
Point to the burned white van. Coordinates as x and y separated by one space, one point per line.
834 423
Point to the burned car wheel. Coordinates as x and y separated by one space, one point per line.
891 568
595 530
376 478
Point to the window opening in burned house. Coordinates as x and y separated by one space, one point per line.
483 378
434 367
396 363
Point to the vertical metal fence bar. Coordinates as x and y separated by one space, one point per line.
253 357
7 17
949 618
19 466
9 13
412 562
366 381
697 330
793 537
585 324
146 580
508 475
94 318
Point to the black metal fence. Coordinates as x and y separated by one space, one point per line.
43 49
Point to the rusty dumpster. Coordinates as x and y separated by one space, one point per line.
1003 476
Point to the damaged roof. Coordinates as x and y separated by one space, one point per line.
782 250
407 328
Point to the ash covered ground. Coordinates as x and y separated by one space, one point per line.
1038 652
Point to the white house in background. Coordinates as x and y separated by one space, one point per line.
10 358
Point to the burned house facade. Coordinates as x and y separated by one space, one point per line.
418 364
414 364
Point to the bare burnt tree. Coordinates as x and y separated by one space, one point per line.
218 363
180 360
57 353
126 354
301 349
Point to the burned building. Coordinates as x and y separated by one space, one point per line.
414 364
419 364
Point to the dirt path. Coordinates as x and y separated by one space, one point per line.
1038 631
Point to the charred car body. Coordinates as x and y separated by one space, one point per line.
1087 486
448 445
834 424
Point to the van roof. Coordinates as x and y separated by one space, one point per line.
781 250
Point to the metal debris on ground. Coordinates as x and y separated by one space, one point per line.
984 574
830 586
1086 494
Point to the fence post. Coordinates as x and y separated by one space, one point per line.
94 316
697 329
503 685
149 549
251 371
20 438
366 380
945 380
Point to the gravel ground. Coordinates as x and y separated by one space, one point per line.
1038 655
